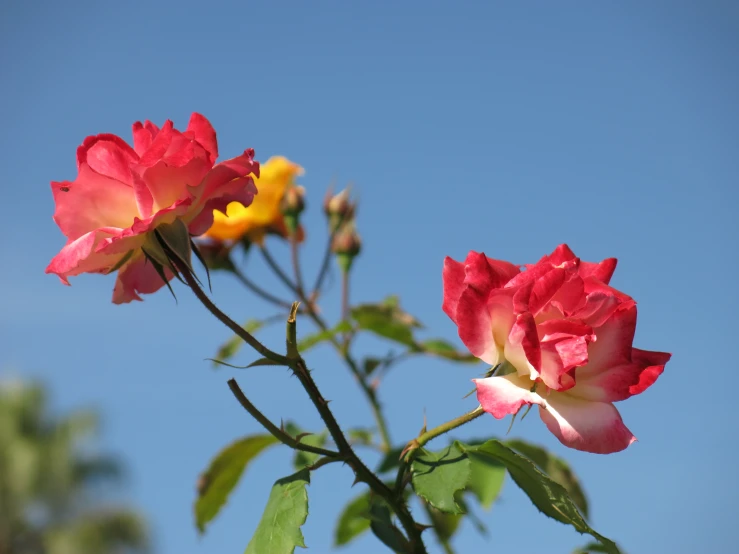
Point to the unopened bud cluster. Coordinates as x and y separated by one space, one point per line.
346 243
292 205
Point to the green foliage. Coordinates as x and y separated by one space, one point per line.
278 531
49 493
445 525
231 347
556 468
486 478
548 496
304 459
591 548
360 435
354 520
391 460
383 528
389 321
386 320
311 340
437 476
223 473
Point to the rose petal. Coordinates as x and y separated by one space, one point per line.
137 276
200 129
92 201
501 396
80 256
453 283
143 136
474 325
522 349
584 425
621 382
602 271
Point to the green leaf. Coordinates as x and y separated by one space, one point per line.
229 348
360 435
303 459
486 478
444 349
590 548
278 531
354 520
436 476
445 525
262 362
383 528
309 341
391 460
223 473
556 468
386 320
548 496
370 364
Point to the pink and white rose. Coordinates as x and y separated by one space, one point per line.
563 335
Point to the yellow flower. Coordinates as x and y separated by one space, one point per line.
263 215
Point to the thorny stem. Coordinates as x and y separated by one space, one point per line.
367 389
427 436
310 310
275 431
247 337
362 472
413 446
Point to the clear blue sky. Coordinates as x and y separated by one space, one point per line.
507 127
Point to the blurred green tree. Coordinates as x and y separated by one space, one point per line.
53 482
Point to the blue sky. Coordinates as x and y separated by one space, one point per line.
496 126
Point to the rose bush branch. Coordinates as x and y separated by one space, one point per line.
275 431
301 371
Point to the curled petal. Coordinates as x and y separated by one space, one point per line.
501 396
143 136
80 256
622 381
474 324
613 344
602 271
108 155
522 349
453 279
200 129
585 425
137 276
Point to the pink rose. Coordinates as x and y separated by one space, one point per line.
564 338
122 194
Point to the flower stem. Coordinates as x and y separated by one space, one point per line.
427 436
324 267
421 440
301 371
247 337
275 431
294 255
369 392
345 305
256 289
272 263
